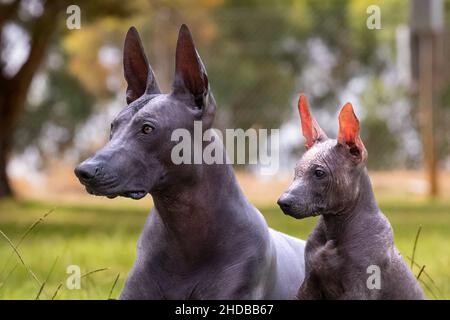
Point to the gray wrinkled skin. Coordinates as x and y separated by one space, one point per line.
202 239
351 234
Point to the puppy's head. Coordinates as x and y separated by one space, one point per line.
327 176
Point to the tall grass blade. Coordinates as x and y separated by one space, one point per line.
57 290
113 286
420 272
46 279
427 275
24 235
20 258
415 246
93 271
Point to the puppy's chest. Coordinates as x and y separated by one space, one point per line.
335 260
324 257
338 269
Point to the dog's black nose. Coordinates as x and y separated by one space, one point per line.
285 202
86 171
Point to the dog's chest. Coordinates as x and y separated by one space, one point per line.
210 283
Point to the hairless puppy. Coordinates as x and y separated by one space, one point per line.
350 254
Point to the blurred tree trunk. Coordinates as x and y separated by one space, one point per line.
13 90
5 188
5 143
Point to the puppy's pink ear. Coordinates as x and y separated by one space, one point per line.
311 130
349 133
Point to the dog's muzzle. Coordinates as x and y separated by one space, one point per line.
91 176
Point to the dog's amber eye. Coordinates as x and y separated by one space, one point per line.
318 173
147 129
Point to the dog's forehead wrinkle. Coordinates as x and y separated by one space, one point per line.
121 122
145 110
153 106
134 108
123 115
317 155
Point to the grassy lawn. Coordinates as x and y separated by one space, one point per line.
104 236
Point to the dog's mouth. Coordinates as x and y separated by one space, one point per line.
297 213
302 215
307 215
135 194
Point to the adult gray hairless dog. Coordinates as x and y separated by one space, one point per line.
203 239
352 240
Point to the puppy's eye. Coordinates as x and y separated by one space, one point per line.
146 129
318 173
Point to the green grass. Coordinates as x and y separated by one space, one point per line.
99 236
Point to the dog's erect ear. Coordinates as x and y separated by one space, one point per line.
311 130
349 133
138 73
190 73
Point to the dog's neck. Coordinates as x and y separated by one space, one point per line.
364 205
197 212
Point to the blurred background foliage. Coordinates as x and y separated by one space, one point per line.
259 56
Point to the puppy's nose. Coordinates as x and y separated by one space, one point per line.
87 171
285 202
